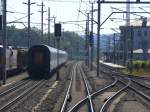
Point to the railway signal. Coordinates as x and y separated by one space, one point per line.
57 35
57 29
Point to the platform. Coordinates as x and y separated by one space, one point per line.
116 66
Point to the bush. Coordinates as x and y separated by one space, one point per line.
136 65
148 65
143 65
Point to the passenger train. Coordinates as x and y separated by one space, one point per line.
42 60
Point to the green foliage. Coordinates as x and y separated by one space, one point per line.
70 41
136 65
145 65
148 65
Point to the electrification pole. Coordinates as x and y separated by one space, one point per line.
88 46
98 35
124 49
4 40
49 25
29 24
86 59
42 12
131 49
29 28
91 39
114 48
54 31
87 41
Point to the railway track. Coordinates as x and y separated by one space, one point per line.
138 87
75 90
14 87
111 87
142 90
87 102
63 108
16 94
120 85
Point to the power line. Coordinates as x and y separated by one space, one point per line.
68 1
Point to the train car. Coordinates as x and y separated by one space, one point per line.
16 60
22 58
42 59
11 58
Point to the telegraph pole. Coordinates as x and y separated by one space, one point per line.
91 39
98 35
29 28
49 25
4 40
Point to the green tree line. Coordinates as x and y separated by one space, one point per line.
69 41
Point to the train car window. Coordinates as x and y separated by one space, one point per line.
38 58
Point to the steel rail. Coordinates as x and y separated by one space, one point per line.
13 88
22 95
110 100
68 90
73 109
145 86
87 89
81 102
146 97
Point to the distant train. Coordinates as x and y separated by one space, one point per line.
42 59
16 59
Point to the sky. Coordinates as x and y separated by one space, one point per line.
68 10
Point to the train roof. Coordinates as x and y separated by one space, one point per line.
1 46
54 50
12 47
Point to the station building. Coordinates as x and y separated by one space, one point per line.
136 37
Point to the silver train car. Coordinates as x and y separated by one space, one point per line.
42 60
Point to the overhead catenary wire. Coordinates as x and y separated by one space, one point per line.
68 1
